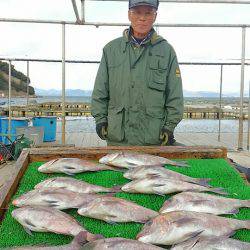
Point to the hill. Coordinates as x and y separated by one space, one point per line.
18 83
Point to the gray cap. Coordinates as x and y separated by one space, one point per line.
152 3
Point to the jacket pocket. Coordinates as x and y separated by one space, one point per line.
115 124
154 123
158 72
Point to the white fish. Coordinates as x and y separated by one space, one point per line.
203 203
75 185
46 219
158 171
72 166
118 244
77 244
112 209
161 186
58 198
176 227
209 243
131 160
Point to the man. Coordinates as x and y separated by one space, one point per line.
137 97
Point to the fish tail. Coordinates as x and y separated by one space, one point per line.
182 164
123 170
245 203
81 238
203 182
93 237
218 190
247 224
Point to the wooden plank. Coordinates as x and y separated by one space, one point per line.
10 186
171 152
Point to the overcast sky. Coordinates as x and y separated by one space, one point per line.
23 40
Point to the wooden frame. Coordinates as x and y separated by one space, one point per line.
44 154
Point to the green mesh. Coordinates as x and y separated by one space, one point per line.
223 175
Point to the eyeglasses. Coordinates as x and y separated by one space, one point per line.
147 14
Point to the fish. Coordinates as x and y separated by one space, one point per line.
132 160
78 242
209 243
75 185
58 198
158 171
204 203
119 244
162 186
112 210
71 166
176 227
47 219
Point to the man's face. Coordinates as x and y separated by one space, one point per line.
142 18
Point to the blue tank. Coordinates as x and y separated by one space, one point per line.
49 125
15 122
1 117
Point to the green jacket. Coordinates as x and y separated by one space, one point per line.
138 90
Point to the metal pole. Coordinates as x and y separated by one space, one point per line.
28 82
9 102
76 11
221 80
240 136
83 10
192 1
248 130
98 24
63 84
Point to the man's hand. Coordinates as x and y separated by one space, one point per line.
102 130
166 137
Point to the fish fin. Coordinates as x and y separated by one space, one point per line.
153 175
93 237
68 173
131 164
28 231
233 211
158 193
189 244
193 235
182 221
111 222
218 191
116 189
122 170
142 221
204 182
182 164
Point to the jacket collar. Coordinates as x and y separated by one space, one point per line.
154 38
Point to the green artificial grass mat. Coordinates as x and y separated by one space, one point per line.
221 173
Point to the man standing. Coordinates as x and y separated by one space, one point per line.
137 97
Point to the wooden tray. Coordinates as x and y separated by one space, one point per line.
45 154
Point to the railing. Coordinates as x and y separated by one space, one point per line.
81 21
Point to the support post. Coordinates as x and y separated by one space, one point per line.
28 82
240 135
9 102
63 84
221 80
